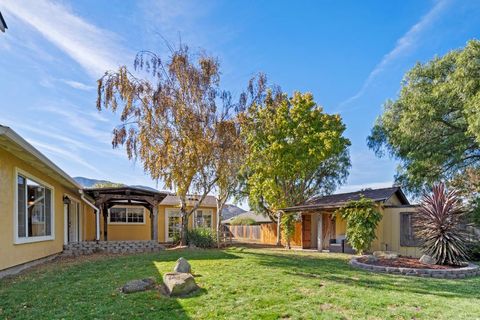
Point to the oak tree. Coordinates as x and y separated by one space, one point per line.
433 126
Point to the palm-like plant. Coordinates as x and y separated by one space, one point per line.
438 226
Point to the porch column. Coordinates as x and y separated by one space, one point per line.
155 222
105 222
320 232
97 225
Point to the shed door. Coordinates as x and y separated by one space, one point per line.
306 231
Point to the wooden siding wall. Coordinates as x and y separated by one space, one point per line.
264 234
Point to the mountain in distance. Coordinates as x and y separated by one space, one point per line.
230 211
88 183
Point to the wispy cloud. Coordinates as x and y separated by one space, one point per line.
406 43
80 121
93 48
78 85
63 153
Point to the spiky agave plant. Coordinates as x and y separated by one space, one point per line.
438 226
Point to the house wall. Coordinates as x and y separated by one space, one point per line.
12 254
388 231
391 232
132 231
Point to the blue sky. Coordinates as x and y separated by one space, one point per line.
350 54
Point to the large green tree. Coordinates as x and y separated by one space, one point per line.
295 150
433 127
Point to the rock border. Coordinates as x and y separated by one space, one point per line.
112 247
471 270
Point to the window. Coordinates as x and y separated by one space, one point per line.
174 225
34 210
127 215
407 233
203 219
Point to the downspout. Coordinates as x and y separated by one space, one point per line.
97 214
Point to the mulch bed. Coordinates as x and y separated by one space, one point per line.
403 262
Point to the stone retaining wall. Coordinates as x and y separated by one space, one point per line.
90 247
454 273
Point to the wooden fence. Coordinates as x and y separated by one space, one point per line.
264 233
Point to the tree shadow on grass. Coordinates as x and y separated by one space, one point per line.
173 309
338 270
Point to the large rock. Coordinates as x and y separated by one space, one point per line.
138 285
427 259
390 255
179 284
182 266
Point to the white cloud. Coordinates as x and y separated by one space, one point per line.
63 153
95 49
78 85
407 42
76 120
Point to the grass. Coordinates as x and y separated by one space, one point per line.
237 283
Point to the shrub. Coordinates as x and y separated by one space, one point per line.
242 221
438 226
288 227
201 237
177 237
474 250
362 217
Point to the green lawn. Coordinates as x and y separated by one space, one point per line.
237 283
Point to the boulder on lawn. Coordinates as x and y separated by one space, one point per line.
138 285
389 255
182 266
179 284
426 259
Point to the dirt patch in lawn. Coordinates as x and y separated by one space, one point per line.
403 262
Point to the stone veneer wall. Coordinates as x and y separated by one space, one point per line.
90 247
469 271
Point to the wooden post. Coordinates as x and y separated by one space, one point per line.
279 229
105 222
155 222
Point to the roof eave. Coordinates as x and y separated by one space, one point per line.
16 138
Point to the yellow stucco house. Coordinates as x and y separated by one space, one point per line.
43 209
322 229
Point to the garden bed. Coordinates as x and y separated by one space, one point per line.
403 262
407 266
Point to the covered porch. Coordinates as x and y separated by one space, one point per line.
104 199
322 230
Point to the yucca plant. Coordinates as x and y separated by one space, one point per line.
438 226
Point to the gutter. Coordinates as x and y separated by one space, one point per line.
97 213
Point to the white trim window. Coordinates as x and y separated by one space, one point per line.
34 209
174 223
126 215
203 218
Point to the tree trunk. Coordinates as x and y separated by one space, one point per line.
279 229
184 216
220 204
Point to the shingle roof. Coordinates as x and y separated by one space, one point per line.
337 200
172 200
